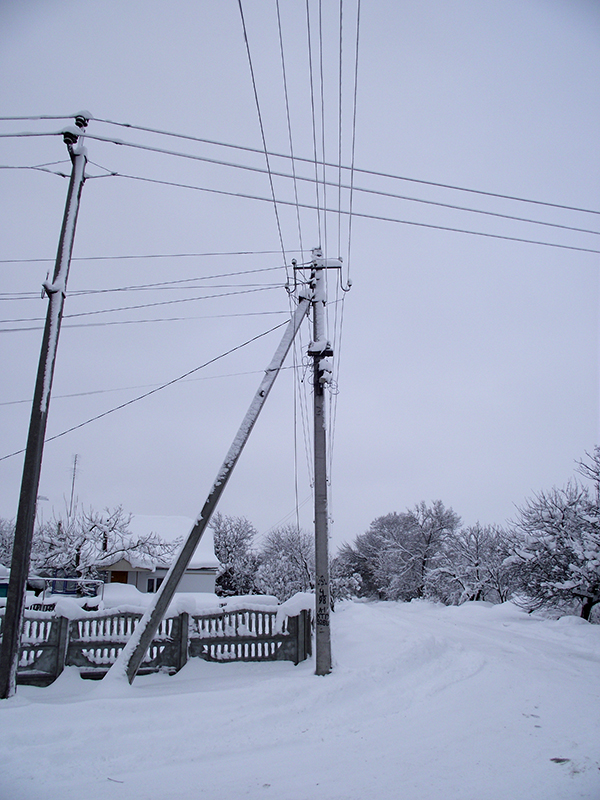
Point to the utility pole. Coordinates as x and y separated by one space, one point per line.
131 656
321 352
56 291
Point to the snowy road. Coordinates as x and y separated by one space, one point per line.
425 703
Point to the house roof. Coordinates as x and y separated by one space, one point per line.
171 528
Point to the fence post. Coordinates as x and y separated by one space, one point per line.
62 644
304 635
182 644
293 629
300 633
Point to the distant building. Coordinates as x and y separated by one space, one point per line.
147 573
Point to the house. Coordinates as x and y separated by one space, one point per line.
146 572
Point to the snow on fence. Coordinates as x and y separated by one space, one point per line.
92 643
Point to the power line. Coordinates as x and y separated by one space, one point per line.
41 116
340 75
262 129
271 173
322 97
314 160
142 386
375 173
176 284
362 215
354 189
148 305
152 391
289 122
352 168
142 321
156 255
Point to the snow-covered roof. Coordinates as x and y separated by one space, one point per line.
171 528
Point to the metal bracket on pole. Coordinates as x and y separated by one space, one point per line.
131 656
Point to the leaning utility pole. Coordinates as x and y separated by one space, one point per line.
21 556
320 350
131 656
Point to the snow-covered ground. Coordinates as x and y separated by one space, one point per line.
425 703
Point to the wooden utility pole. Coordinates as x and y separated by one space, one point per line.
131 656
321 352
56 291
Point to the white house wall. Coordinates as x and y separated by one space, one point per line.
190 582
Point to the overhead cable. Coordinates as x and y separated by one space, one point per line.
152 391
262 129
154 255
38 117
354 107
357 170
289 122
140 386
147 305
340 74
311 161
362 215
314 160
142 321
353 189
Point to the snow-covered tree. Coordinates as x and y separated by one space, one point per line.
361 558
287 563
556 549
233 538
343 584
471 566
81 544
7 536
394 557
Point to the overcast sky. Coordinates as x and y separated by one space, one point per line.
466 366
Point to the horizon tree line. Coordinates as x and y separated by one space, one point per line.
547 557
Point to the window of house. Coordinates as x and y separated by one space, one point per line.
154 584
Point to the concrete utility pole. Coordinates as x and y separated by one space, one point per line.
131 656
56 291
320 350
